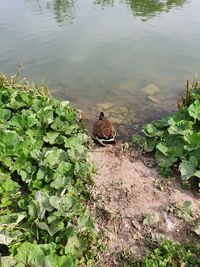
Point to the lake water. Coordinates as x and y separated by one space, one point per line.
127 57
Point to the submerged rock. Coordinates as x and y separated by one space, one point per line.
106 105
154 99
151 89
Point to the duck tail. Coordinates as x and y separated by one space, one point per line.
101 116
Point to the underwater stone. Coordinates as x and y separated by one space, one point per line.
151 89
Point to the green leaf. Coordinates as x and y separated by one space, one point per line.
52 228
46 115
194 110
54 156
23 121
78 153
193 141
162 147
12 220
9 138
61 182
7 261
181 127
188 168
196 229
62 204
138 139
51 137
4 115
6 237
85 221
151 131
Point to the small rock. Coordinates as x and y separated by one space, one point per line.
154 99
151 89
136 225
105 106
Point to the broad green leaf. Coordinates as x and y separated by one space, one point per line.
12 220
194 110
164 161
46 115
9 186
138 139
85 221
181 127
37 155
51 137
151 131
54 156
62 204
4 115
193 141
9 138
61 182
7 237
188 168
52 228
196 93
162 147
78 153
196 229
7 261
23 121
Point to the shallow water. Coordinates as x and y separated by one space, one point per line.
105 51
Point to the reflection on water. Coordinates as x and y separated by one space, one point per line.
148 9
63 9
127 57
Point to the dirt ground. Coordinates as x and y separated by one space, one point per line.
125 192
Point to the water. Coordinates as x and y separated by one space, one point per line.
105 51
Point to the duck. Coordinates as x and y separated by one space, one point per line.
103 131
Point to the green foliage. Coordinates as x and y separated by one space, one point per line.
176 139
171 254
44 175
164 254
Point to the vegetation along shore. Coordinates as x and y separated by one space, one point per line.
65 202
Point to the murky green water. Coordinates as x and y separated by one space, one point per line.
105 51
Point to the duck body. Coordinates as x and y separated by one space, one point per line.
103 131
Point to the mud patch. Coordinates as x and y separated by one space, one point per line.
125 192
